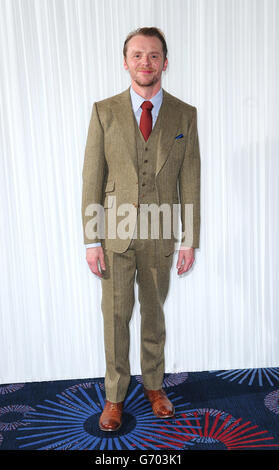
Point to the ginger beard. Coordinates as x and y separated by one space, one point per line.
144 78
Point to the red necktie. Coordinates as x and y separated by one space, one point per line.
146 119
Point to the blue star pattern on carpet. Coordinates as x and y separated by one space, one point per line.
215 410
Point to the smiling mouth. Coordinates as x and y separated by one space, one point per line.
146 71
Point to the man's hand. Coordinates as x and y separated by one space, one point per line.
93 255
186 256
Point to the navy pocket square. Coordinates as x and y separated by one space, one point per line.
179 136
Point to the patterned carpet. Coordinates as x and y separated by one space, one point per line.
215 410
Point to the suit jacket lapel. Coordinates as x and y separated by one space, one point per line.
170 121
124 115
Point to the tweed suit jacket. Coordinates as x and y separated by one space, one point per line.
110 165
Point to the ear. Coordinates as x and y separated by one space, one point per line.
165 64
125 64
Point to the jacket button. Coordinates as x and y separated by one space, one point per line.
135 204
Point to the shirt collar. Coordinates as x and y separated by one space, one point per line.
137 100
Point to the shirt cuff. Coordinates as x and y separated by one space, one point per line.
92 245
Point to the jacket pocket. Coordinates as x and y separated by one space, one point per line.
109 186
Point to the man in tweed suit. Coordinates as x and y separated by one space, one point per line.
142 150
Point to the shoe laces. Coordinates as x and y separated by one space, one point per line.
157 394
114 406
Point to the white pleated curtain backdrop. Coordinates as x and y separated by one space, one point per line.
57 58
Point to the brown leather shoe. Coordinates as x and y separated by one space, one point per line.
161 405
110 419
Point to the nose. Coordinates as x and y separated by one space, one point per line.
145 60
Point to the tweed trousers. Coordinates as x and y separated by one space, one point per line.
145 261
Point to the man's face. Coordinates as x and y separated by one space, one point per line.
145 60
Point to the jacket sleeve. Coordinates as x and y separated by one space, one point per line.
93 173
189 187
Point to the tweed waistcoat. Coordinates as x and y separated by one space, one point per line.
146 161
146 158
